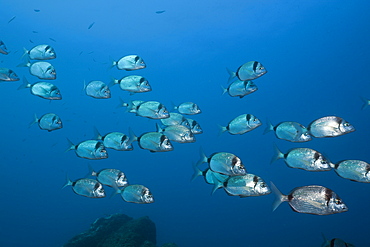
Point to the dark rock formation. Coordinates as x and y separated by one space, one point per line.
117 230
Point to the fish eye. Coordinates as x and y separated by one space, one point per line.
338 201
346 124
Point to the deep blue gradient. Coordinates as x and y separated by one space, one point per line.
317 57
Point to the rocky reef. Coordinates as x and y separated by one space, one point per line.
118 230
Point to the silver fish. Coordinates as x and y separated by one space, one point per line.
45 90
49 122
154 142
90 149
188 108
355 170
132 106
224 163
241 124
136 193
3 49
330 126
110 177
40 52
175 119
8 75
208 175
152 109
303 158
240 88
42 70
116 140
97 90
312 199
130 62
177 133
290 131
87 187
243 186
366 103
133 84
248 71
194 126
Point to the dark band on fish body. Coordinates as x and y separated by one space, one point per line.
142 79
47 47
255 66
124 138
136 58
97 185
255 181
249 116
316 156
163 138
328 195
234 161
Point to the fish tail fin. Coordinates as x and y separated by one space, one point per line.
113 81
224 90
203 157
216 184
71 146
132 137
116 190
35 120
326 241
122 103
25 63
91 171
158 128
269 127
68 182
222 129
25 53
280 197
174 106
197 172
97 135
278 154
25 84
232 75
366 103
112 63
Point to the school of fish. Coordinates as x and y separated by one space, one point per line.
223 170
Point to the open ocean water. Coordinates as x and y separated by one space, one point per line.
317 57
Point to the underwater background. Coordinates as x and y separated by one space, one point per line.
317 57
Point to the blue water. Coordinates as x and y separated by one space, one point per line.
317 57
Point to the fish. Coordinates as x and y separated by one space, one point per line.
208 175
248 71
129 63
188 108
243 186
49 122
154 142
116 140
90 26
290 131
40 52
133 84
160 11
110 177
3 49
224 163
303 158
136 193
355 170
86 187
366 103
175 119
8 75
330 126
97 90
240 88
52 39
177 133
36 10
132 106
194 126
42 70
311 199
335 242
90 149
241 124
152 109
45 90
11 19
